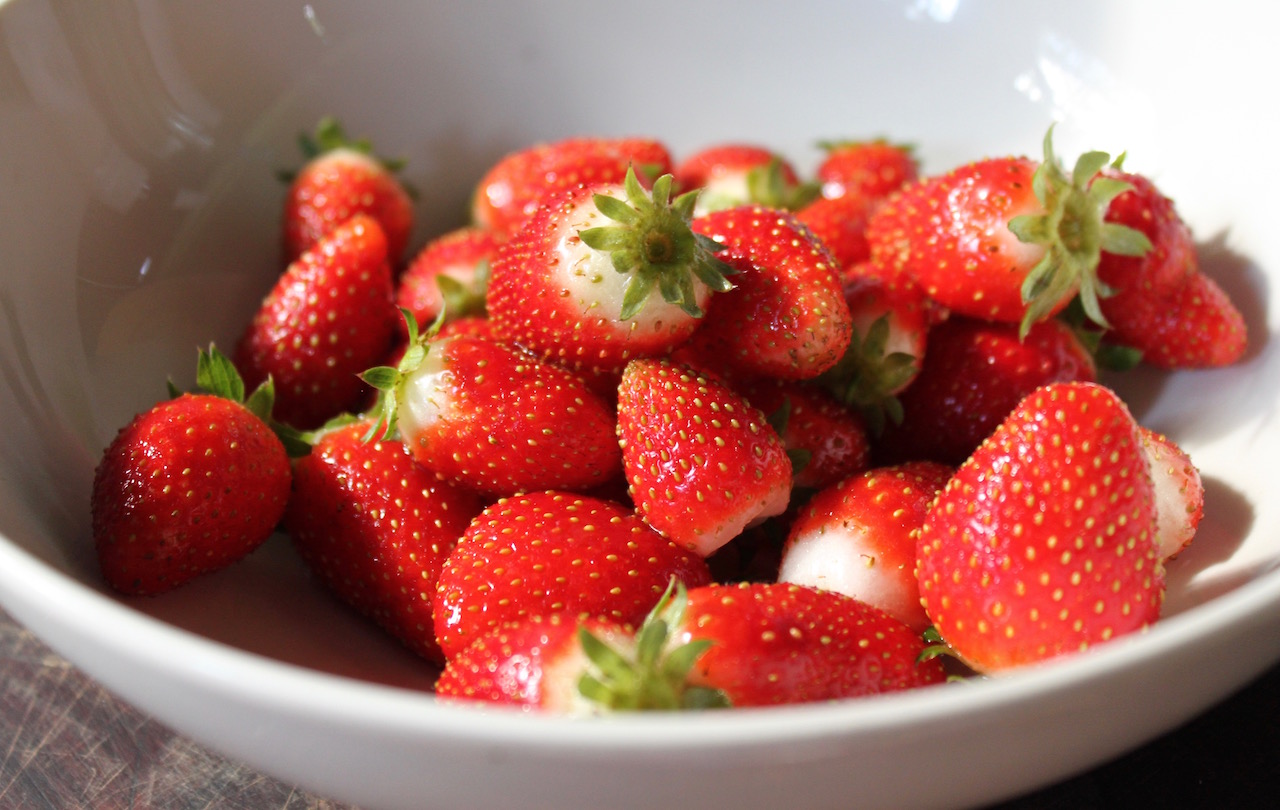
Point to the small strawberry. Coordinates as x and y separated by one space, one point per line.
974 374
780 643
494 418
374 527
1196 325
786 316
858 537
515 186
735 174
450 273
604 273
702 463
328 318
341 179
825 440
548 553
190 486
1179 492
870 169
1044 541
1009 238
840 224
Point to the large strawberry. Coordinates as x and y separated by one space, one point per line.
1044 541
341 179
1008 238
858 537
189 486
328 318
545 553
515 186
701 462
495 418
374 527
604 273
974 374
782 643
786 316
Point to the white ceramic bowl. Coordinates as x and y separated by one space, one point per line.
138 145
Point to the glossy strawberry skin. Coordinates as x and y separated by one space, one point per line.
871 169
1043 543
552 552
701 462
188 487
499 421
858 537
779 643
840 223
374 527
336 186
973 375
457 255
1196 325
786 316
512 189
328 318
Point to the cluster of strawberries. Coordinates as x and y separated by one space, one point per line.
649 434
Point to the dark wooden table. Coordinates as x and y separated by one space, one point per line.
66 744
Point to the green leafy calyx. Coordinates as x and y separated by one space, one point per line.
386 380
653 244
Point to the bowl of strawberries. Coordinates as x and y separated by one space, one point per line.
395 411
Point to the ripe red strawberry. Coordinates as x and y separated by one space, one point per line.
1043 543
545 553
451 272
341 179
1009 239
604 273
702 463
840 224
1179 492
189 486
782 643
328 318
735 174
974 374
858 537
374 527
494 418
513 188
825 440
891 318
871 169
786 316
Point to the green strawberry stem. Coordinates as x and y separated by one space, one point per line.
329 136
867 375
656 676
386 379
767 185
1074 234
654 244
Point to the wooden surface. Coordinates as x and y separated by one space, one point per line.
66 744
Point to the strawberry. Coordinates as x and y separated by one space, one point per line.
1179 492
702 463
786 316
825 440
840 224
494 418
189 486
736 174
328 318
604 273
1044 541
858 537
374 527
974 374
891 318
1160 304
1010 238
450 273
781 643
870 169
341 179
552 552
513 188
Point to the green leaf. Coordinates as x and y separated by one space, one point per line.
217 375
1123 240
